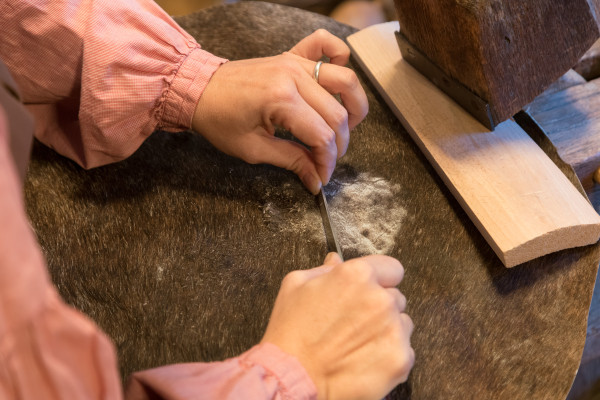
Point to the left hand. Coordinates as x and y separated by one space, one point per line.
345 322
246 99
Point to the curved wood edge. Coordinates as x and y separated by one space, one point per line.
517 197
560 239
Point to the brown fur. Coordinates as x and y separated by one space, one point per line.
178 254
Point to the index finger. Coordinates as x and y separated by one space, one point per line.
308 126
332 260
322 43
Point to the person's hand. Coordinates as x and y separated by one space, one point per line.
345 323
245 100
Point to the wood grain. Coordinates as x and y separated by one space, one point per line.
520 202
569 79
589 64
506 51
571 119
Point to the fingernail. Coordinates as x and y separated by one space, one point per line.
312 182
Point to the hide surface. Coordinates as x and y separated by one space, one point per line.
178 252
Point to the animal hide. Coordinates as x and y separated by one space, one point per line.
178 252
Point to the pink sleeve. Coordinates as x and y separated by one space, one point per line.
263 372
50 351
101 75
47 350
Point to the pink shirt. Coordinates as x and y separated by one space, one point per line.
99 76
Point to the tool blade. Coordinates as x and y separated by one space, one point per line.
330 234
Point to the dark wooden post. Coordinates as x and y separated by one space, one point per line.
505 52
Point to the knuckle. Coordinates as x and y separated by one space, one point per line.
407 323
252 155
362 112
322 34
400 268
387 302
326 138
405 363
292 280
411 357
349 79
357 271
404 358
375 303
290 65
402 301
340 118
298 164
283 93
400 330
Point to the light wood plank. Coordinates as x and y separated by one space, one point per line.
519 200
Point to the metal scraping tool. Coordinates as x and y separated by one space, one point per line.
330 235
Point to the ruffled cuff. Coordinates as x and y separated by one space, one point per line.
292 376
187 86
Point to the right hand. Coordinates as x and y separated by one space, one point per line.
345 323
245 99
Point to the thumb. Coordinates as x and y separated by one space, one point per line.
332 259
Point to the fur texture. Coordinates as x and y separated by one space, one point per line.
178 252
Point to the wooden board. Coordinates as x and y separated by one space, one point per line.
569 79
571 119
518 199
589 65
505 51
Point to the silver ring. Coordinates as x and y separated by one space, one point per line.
316 71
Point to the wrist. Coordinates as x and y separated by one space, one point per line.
307 361
285 367
186 88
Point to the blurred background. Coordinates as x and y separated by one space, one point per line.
356 13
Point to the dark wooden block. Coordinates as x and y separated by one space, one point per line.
505 51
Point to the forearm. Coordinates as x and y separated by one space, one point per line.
101 75
47 350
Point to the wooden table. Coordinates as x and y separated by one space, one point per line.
178 252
